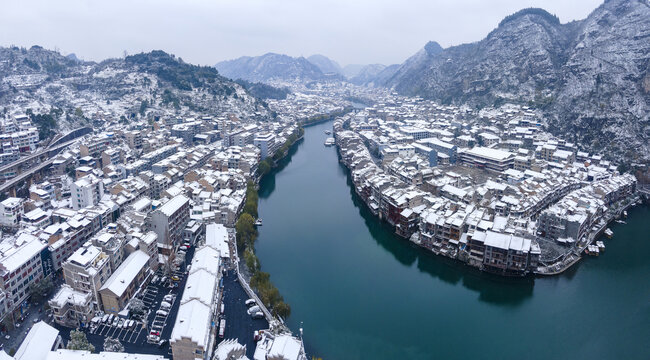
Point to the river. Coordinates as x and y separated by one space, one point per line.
360 292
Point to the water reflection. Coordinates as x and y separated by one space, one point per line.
267 185
491 288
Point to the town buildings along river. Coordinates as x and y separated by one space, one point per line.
360 291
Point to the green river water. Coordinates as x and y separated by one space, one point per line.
360 292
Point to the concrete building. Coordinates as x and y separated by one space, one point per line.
86 270
11 211
193 334
20 266
71 308
169 221
266 143
487 158
125 281
87 191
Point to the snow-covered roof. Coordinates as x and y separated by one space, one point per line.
170 207
38 343
193 322
216 237
124 275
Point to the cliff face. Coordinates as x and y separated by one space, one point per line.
590 77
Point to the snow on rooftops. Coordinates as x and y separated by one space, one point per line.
200 286
84 255
206 258
66 294
38 343
124 275
15 252
193 322
216 237
488 153
170 207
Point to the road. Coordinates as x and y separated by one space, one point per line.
239 325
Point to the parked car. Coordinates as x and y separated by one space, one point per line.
250 302
169 298
105 318
165 305
175 278
116 321
162 312
258 315
253 310
155 333
162 343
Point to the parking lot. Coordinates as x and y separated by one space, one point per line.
137 338
239 325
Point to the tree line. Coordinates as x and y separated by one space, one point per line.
246 236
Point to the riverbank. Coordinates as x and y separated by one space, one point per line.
321 118
250 271
402 205
359 291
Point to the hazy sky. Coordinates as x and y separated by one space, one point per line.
207 31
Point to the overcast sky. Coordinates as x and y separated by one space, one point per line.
208 31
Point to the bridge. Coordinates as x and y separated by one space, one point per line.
53 148
26 167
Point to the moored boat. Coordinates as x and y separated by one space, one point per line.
258 222
609 233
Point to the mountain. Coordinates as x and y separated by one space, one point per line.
373 74
270 67
325 64
154 84
591 77
351 70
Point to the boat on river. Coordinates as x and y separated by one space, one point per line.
592 250
609 233
330 141
327 132
258 222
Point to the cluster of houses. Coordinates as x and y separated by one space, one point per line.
120 204
18 135
491 189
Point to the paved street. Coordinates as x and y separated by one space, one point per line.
239 325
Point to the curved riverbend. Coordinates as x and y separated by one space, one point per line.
363 293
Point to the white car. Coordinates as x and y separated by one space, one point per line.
253 310
250 302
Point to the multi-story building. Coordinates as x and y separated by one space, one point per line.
20 266
168 222
193 336
71 308
266 143
87 191
11 210
86 270
125 281
487 158
134 139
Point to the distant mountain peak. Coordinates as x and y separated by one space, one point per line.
433 48
531 11
325 64
269 66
